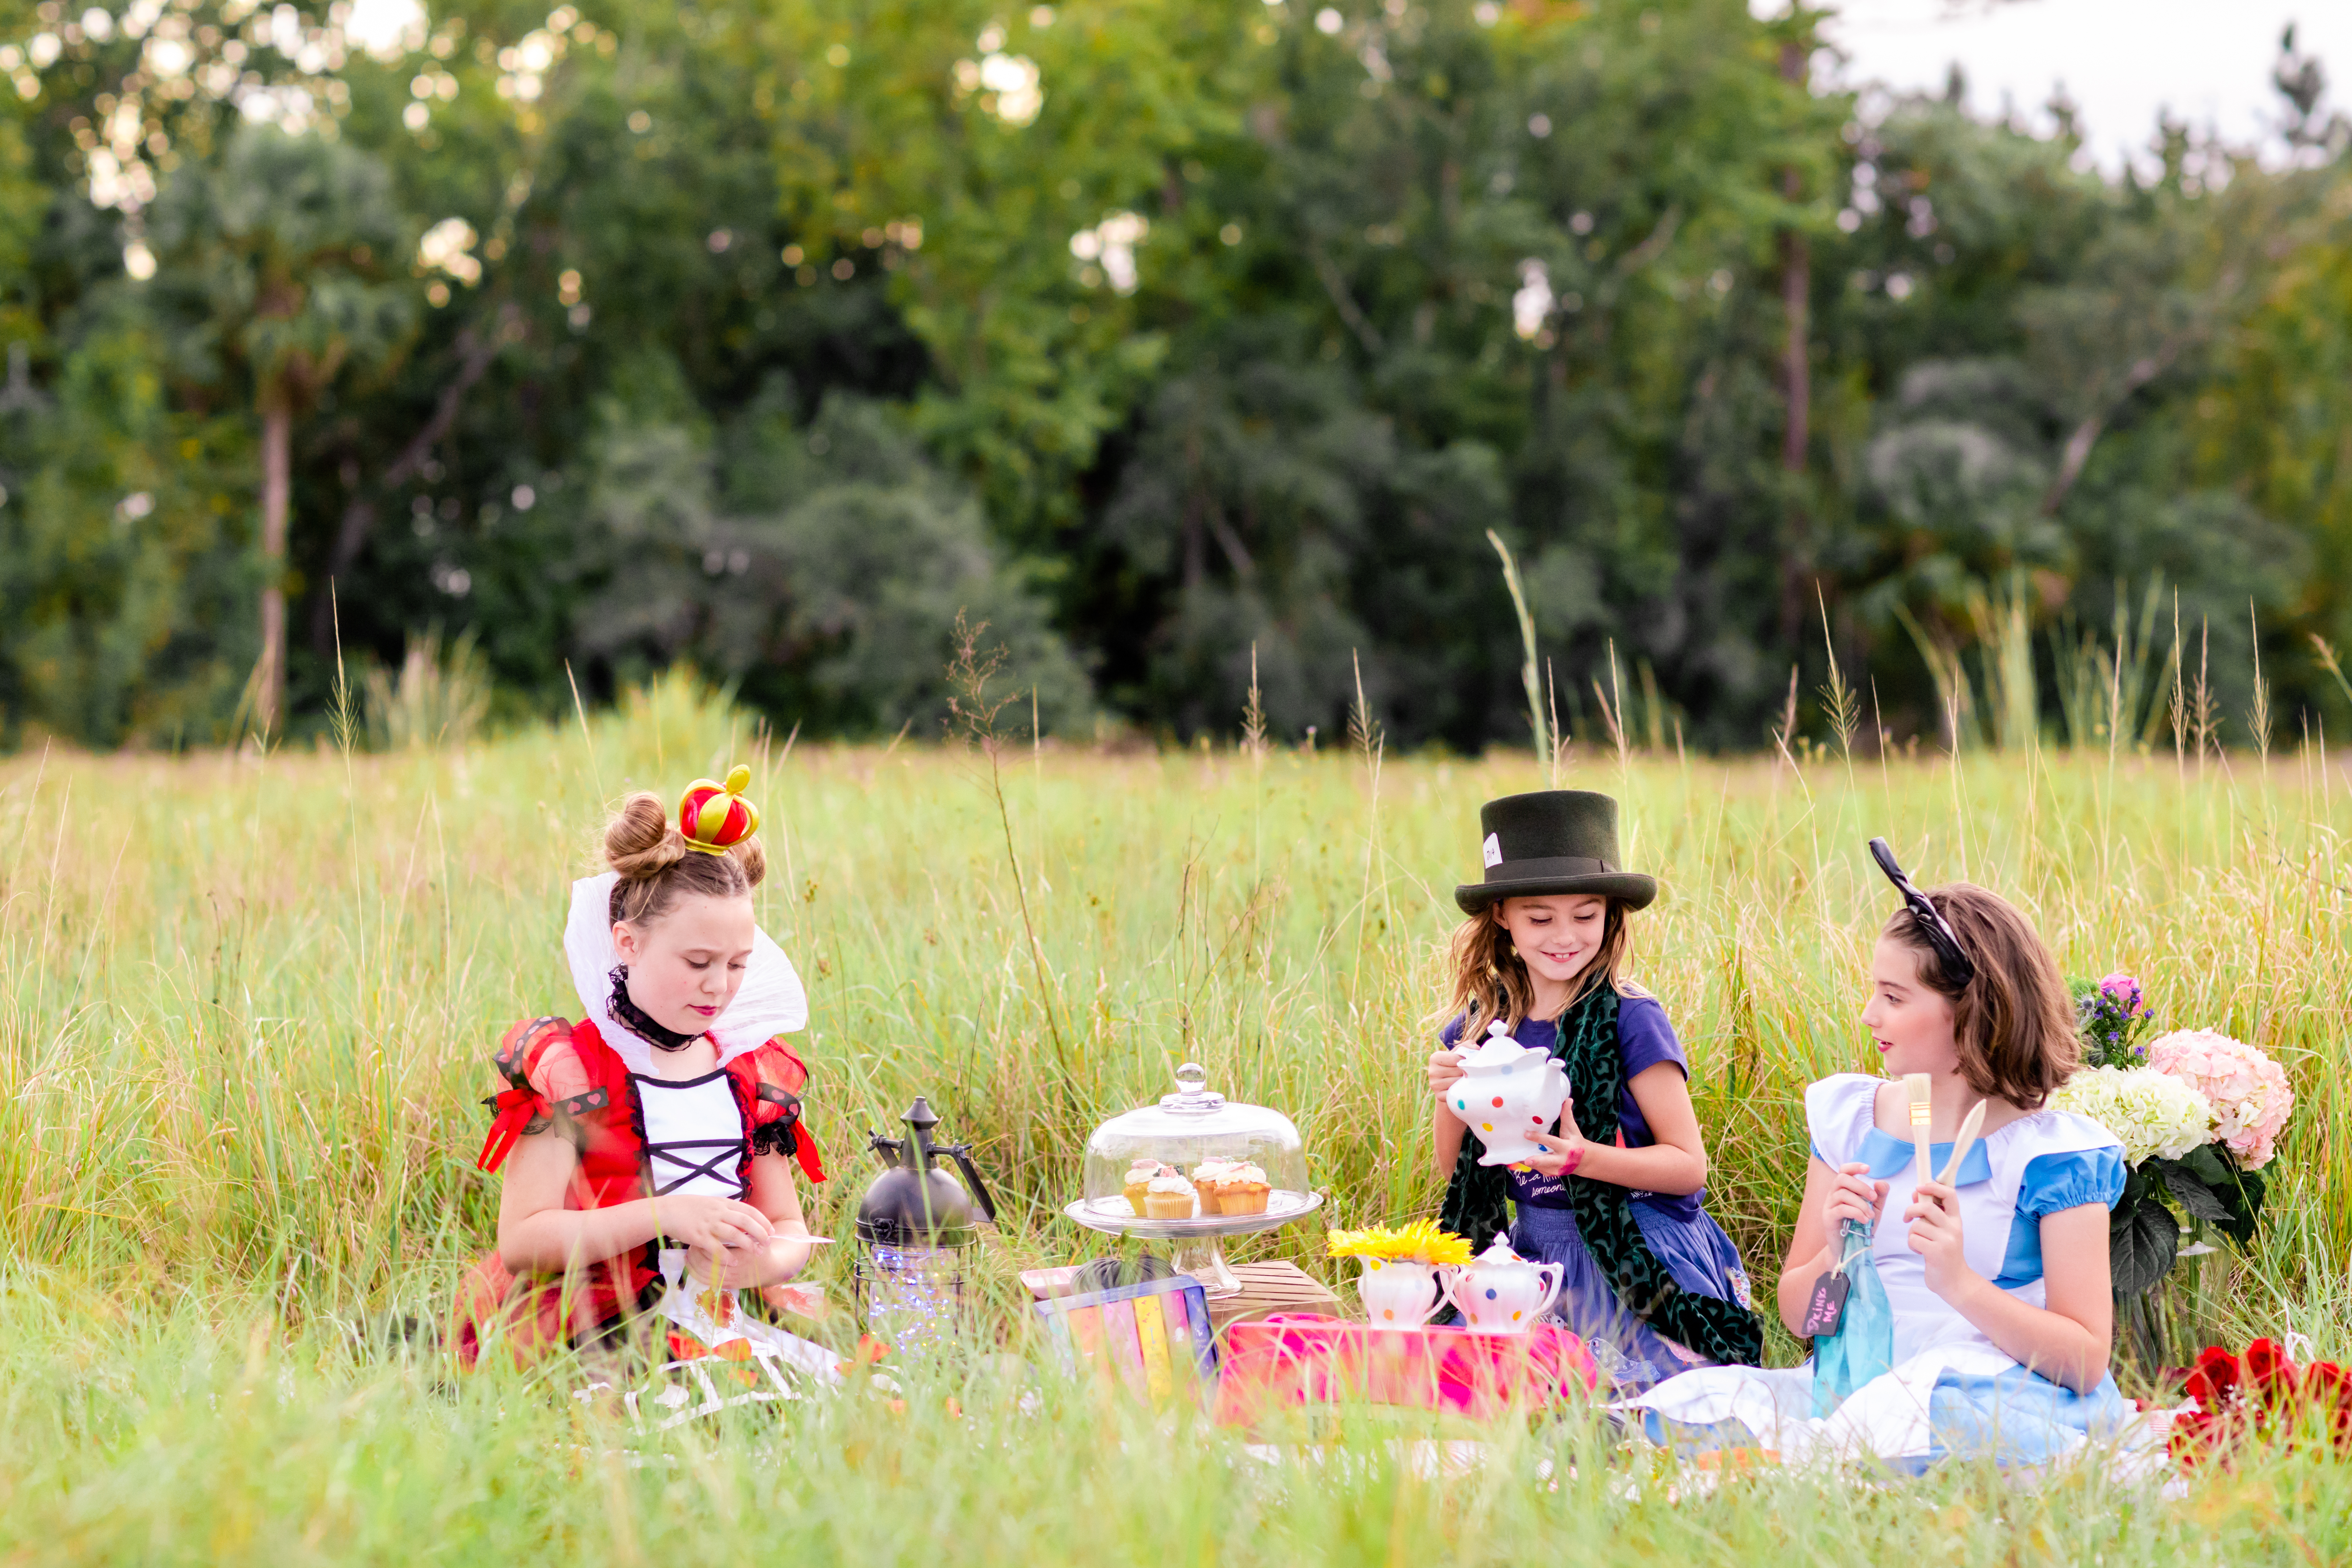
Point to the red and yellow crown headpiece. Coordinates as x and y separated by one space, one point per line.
715 817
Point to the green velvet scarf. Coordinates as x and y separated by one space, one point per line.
1478 1200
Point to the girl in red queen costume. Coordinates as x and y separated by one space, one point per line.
648 1148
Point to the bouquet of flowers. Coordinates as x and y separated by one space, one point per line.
1419 1242
2199 1115
2262 1397
2111 1015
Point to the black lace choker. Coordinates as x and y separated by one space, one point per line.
632 1017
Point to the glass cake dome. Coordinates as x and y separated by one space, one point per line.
1190 1169
1242 1167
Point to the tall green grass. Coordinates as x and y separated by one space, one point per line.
169 1442
247 1002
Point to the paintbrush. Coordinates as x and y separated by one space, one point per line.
1920 1087
1967 1135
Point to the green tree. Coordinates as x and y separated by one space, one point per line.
821 568
280 265
1001 134
1461 269
1218 326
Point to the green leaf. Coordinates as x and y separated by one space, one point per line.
2195 1198
2256 1188
2207 1162
2141 1246
2242 1194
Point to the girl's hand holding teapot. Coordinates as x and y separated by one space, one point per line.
1566 1147
1445 1071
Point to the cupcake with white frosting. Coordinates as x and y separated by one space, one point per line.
1168 1196
1240 1188
1206 1178
1139 1177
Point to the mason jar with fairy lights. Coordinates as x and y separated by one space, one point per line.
915 1222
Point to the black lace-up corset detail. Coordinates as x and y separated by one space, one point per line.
694 1134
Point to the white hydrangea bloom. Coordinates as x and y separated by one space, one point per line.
2151 1112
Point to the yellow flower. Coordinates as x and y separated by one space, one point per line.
1419 1242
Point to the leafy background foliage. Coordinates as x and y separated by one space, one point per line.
756 336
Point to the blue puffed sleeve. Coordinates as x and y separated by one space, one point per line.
2057 1182
2054 1183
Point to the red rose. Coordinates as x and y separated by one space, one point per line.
2270 1372
2197 1438
2214 1384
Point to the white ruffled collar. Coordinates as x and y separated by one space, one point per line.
770 1001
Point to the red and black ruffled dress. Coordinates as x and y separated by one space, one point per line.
637 1136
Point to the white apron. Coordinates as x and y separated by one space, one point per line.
1888 1416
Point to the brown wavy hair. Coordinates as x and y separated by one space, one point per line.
2013 1021
658 870
1491 980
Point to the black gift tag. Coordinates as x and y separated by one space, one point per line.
1827 1306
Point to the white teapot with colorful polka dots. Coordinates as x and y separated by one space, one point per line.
1507 1093
1501 1292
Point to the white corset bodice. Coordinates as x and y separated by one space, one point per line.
694 1135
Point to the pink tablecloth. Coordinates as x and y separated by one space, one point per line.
1297 1359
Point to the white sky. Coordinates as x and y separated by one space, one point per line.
2121 60
386 28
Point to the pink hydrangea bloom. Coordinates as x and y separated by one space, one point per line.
2247 1090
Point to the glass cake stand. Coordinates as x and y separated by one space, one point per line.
1194 1125
1197 1243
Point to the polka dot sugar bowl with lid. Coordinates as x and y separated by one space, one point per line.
1191 1170
1500 1292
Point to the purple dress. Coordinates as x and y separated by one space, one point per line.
1691 1246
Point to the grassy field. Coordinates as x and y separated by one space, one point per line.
248 1003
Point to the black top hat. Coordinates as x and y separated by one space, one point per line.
1553 841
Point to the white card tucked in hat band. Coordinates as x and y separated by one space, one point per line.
1494 851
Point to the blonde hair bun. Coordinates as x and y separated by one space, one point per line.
639 842
657 868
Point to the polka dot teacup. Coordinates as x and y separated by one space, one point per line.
1399 1293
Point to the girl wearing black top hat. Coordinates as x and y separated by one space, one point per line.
1649 1282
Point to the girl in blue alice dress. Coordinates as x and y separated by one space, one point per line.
1996 1281
1648 1280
